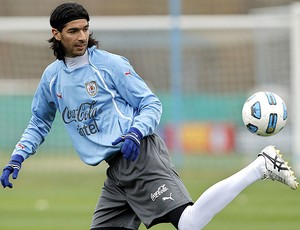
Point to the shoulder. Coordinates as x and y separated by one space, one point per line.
52 69
106 59
54 66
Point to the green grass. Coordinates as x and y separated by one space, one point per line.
61 193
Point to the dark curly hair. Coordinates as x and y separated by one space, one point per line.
61 15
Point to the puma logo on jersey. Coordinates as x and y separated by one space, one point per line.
59 95
128 73
21 146
168 197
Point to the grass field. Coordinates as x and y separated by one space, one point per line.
61 193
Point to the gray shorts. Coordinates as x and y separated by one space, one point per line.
140 191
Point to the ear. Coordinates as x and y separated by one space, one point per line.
56 34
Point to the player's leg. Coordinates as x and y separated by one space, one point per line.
269 164
153 188
218 196
112 210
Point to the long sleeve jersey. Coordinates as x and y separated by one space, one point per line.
97 102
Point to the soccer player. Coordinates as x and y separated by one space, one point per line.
111 115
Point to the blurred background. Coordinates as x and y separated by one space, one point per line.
203 58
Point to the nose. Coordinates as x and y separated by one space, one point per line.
82 35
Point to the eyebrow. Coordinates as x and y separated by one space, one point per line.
78 28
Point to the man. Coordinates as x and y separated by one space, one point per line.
110 115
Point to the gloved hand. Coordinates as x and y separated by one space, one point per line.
13 167
131 146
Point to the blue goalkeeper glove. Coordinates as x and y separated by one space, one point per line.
132 143
13 167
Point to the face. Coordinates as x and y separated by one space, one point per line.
74 37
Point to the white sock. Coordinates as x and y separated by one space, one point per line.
214 199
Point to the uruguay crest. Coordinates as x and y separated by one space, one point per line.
91 88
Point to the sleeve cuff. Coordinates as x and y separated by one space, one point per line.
135 130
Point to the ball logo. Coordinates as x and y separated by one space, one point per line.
91 88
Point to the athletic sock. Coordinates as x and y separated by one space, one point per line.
218 196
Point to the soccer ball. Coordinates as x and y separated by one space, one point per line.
264 113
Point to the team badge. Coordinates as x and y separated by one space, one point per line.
91 88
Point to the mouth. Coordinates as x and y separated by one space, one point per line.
80 45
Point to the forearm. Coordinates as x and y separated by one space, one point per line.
149 117
33 136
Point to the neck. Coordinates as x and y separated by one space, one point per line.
76 62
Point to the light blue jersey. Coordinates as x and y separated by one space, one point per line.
98 102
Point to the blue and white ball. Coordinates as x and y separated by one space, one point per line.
264 113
